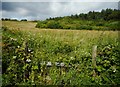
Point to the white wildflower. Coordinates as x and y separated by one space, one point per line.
14 57
62 64
18 46
29 50
49 63
28 60
114 70
13 39
71 58
69 66
57 64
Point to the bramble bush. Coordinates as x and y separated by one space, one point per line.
27 60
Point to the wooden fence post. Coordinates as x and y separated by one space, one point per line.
94 54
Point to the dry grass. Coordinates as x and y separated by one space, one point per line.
19 25
71 36
77 45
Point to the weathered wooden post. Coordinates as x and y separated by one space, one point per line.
94 54
47 76
62 65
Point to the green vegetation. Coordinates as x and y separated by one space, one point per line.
26 54
105 20
45 53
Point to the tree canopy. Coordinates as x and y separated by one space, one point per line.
105 20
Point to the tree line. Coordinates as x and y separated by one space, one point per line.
9 19
107 14
107 19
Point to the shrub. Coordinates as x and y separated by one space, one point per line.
41 24
54 25
115 26
23 19
100 24
86 27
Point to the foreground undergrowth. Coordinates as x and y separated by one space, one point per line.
59 57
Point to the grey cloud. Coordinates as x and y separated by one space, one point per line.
43 10
32 9
60 0
30 6
0 6
9 6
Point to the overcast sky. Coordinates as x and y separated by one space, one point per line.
43 10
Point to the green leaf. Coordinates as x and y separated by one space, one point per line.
99 68
35 67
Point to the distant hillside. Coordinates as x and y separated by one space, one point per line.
105 20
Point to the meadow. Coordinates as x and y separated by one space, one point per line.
33 56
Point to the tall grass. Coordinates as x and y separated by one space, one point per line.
71 47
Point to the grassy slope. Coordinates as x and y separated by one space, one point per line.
71 36
83 38
52 45
78 24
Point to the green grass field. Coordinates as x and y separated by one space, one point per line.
26 52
